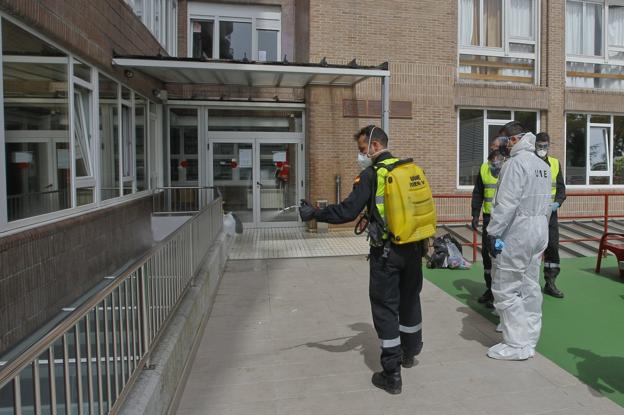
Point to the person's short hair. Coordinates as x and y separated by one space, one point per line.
542 137
374 133
513 128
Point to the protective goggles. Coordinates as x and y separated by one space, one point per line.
505 139
542 146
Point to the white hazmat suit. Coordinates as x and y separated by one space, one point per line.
519 217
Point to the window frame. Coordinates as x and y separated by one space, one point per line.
260 17
89 180
610 162
80 182
506 39
606 47
487 122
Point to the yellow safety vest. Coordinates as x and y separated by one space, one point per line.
489 187
554 172
381 188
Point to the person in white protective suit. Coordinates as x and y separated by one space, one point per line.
518 235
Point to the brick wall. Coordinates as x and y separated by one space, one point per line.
419 39
46 268
423 72
93 30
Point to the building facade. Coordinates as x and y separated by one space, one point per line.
84 142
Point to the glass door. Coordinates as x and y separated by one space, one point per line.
233 173
258 179
278 182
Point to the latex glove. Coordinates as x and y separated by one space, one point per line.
475 223
496 245
554 206
306 210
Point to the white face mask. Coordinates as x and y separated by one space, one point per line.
542 153
364 161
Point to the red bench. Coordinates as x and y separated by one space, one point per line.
615 245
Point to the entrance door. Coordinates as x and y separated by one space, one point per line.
258 179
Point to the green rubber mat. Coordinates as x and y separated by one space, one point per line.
582 333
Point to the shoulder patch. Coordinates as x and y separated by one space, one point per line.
357 180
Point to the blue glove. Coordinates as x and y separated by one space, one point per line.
496 245
554 206
499 245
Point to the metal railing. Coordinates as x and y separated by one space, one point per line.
181 200
87 362
456 209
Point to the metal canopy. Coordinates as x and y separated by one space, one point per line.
254 74
171 70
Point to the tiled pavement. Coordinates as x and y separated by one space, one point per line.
294 336
267 243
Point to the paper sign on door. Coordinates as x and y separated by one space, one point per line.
244 158
279 156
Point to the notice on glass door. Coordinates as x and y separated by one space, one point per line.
244 158
279 156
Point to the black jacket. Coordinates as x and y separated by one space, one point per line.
477 197
360 197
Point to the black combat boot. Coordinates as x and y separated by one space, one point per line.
487 298
550 274
389 381
408 361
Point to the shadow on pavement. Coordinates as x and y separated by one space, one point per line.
470 331
471 290
610 273
602 373
365 341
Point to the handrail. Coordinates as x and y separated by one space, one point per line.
135 307
599 209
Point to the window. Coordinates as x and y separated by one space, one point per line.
141 151
203 39
161 18
498 40
594 149
36 123
62 148
255 120
109 142
183 147
477 129
595 43
218 31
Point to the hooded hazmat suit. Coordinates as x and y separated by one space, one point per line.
520 218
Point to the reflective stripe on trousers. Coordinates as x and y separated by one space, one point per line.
410 329
386 344
551 265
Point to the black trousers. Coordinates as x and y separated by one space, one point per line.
551 255
485 252
394 290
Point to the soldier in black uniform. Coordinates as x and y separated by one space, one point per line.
558 192
395 270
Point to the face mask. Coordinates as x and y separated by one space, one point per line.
364 161
542 149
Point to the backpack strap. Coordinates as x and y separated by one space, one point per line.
391 167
